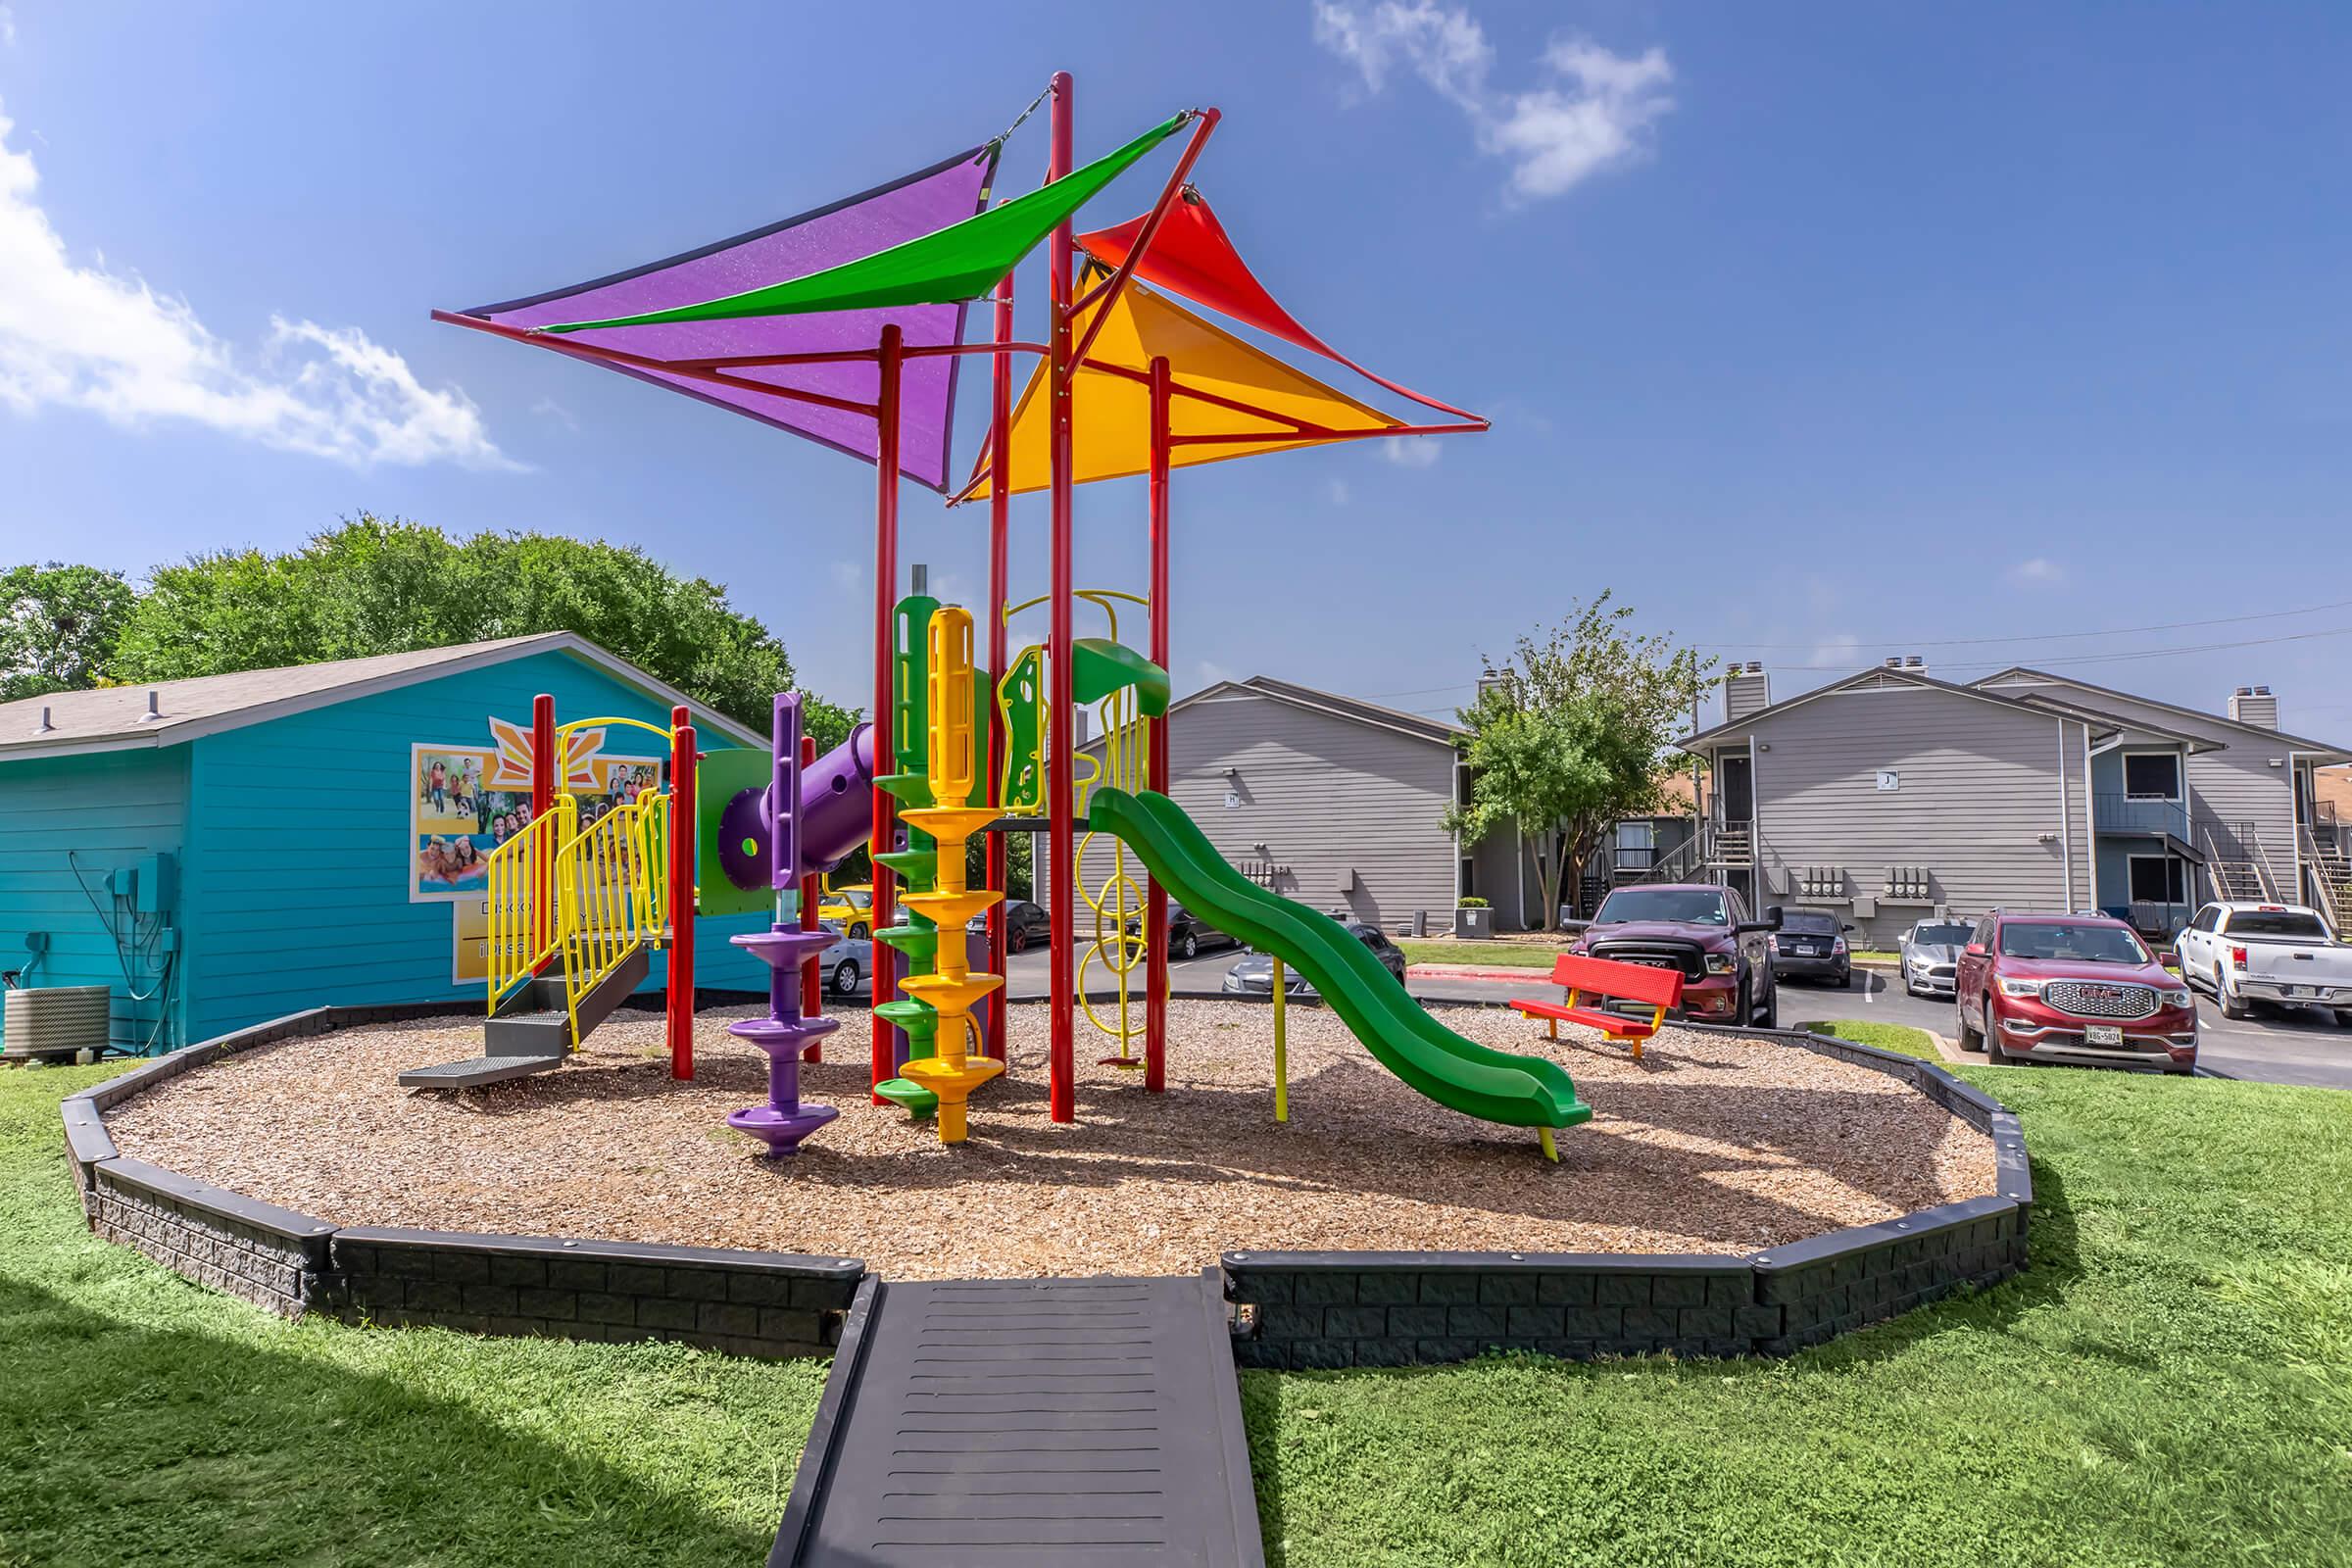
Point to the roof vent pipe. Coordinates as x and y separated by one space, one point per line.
155 709
46 726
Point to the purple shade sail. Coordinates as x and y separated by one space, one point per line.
948 192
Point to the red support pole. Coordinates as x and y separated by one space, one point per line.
1155 898
680 1010
885 1059
999 530
813 984
543 800
1062 1089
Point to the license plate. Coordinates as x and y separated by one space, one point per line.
2300 991
2103 1034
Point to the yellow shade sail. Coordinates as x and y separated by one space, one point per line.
1111 413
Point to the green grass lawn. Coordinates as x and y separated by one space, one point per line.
147 1420
2170 1383
1493 954
1886 1036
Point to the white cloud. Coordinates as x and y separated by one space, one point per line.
1594 112
555 413
7 28
1837 650
84 337
1411 450
848 574
2037 572
1337 490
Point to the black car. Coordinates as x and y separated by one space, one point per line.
1024 923
1254 974
1811 946
1188 933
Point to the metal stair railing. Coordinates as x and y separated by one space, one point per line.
2332 879
1674 867
611 894
2235 877
525 930
2263 867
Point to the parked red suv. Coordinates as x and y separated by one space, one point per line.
2071 988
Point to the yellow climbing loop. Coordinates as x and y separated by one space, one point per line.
952 1072
1119 941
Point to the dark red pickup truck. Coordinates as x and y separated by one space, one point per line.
1700 929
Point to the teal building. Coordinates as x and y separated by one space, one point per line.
223 850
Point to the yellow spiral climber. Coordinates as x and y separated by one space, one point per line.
952 1072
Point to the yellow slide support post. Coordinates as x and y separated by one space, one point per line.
952 1072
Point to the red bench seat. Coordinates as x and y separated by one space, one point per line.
1580 977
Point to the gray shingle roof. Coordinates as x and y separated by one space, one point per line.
115 717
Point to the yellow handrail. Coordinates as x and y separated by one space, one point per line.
593 894
611 893
523 932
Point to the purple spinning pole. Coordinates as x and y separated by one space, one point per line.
784 1121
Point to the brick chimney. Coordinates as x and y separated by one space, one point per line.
2254 705
1747 690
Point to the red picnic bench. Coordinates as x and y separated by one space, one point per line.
1605 978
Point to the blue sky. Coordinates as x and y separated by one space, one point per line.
1818 334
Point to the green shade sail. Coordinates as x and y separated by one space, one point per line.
960 262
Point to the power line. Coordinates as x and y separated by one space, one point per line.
2131 654
2054 636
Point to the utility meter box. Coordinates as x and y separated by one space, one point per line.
158 884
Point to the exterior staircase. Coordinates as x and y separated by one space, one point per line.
2238 873
2332 878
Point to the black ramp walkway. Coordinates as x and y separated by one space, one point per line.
1028 1421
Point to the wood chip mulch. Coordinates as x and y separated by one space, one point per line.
1708 1144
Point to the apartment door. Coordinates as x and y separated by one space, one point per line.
1737 788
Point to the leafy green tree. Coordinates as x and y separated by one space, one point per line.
58 624
384 585
1571 736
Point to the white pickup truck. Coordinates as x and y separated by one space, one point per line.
2277 953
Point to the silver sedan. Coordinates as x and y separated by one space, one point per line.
1930 957
847 966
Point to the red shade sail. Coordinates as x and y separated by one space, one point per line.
1192 256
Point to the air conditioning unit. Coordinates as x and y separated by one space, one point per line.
55 1021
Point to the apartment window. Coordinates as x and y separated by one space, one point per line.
1636 846
2152 775
2159 879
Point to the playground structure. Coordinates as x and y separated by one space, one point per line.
848 333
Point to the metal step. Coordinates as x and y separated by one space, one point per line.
477 1070
545 1032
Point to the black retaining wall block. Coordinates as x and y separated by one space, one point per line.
750 1303
771 1305
1314 1310
270 1255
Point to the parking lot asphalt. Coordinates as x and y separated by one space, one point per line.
2276 1045
2280 1046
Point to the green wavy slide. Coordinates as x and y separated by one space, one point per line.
1461 1074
